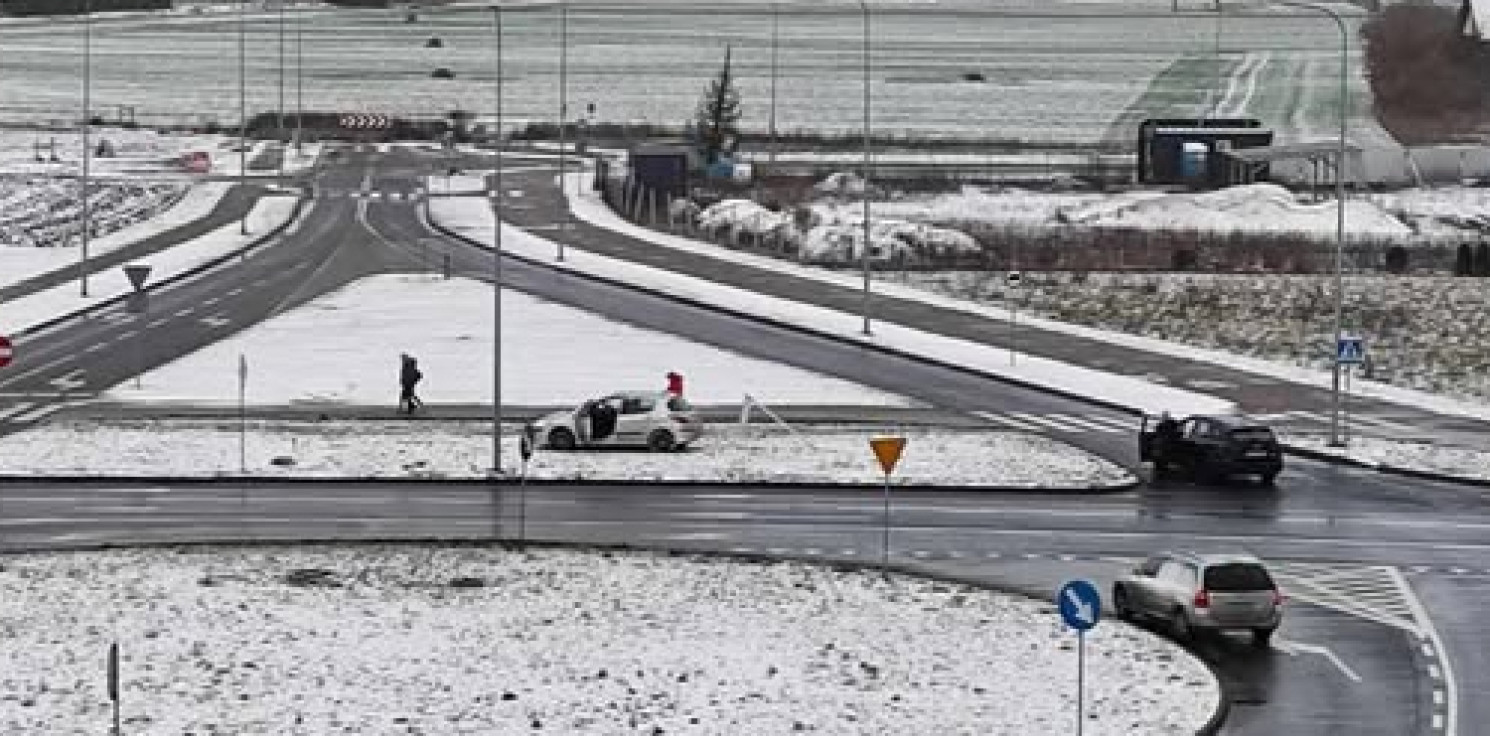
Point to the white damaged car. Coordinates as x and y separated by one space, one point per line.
654 420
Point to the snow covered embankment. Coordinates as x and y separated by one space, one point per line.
384 639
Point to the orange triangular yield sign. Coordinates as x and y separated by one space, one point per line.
887 450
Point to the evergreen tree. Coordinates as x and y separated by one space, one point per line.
718 114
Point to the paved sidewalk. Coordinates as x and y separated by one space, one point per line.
1300 407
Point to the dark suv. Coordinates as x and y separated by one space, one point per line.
1212 447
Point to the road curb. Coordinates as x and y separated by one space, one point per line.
257 480
199 269
738 314
1333 459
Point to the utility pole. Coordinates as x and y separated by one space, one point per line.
87 208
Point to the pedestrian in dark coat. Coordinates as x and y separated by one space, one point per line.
409 376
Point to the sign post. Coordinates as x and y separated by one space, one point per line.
1081 607
242 414
887 450
113 675
525 448
1350 350
1013 279
7 351
138 305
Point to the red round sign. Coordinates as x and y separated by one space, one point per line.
6 351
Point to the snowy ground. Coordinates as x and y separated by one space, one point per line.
29 311
343 349
462 449
220 640
649 62
1408 216
1463 462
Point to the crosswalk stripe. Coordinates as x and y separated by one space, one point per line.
1064 422
6 414
1008 421
1383 423
1123 424
34 415
1299 414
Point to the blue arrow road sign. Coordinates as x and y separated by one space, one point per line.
1350 350
1080 604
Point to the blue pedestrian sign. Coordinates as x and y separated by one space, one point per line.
1080 604
1350 350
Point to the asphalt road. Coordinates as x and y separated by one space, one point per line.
1319 515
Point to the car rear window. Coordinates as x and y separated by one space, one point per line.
678 403
1237 576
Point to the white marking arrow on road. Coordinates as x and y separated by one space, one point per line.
1083 609
1293 648
215 321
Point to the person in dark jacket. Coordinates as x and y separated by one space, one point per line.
1166 436
409 376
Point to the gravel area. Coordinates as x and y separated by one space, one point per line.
444 640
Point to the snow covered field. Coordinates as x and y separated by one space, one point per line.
343 349
1463 462
1046 76
462 449
383 639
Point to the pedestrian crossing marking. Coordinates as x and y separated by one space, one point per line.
6 414
1058 422
35 415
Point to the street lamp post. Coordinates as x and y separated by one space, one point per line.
299 78
563 118
278 134
243 107
775 32
1340 162
864 252
86 210
496 440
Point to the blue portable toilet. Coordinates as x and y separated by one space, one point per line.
1193 156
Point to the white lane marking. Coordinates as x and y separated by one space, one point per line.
1382 423
1451 709
216 321
732 515
158 323
1007 421
72 380
184 312
35 414
1293 648
6 414
93 348
722 496
1434 672
696 537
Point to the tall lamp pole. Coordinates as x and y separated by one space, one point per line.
243 106
1335 436
281 131
87 211
563 115
496 438
299 77
864 252
775 31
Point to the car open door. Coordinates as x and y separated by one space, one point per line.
1145 441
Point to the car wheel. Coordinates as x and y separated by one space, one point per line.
661 440
1262 638
561 439
1179 625
1120 607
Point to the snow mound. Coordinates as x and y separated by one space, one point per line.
892 241
733 218
1250 207
842 184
